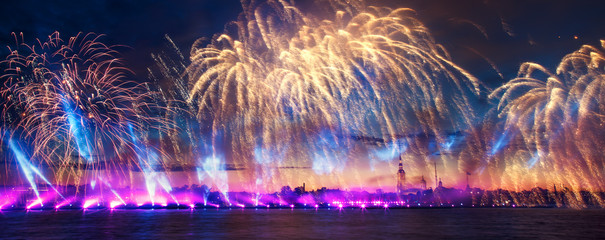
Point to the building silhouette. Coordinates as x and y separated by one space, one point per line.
436 186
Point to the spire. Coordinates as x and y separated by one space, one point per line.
468 186
435 174
400 177
400 165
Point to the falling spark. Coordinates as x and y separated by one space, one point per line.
560 118
285 73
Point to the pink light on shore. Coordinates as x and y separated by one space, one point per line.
8 202
65 202
89 203
114 204
37 202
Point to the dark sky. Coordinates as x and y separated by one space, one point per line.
141 25
517 31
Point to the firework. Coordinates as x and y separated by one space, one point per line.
73 105
283 88
560 118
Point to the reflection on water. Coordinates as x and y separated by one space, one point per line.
301 223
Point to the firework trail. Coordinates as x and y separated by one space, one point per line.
73 104
183 141
282 88
560 118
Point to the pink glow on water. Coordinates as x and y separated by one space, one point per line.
89 203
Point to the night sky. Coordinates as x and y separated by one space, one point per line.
515 31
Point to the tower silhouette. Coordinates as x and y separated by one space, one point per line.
436 174
400 177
